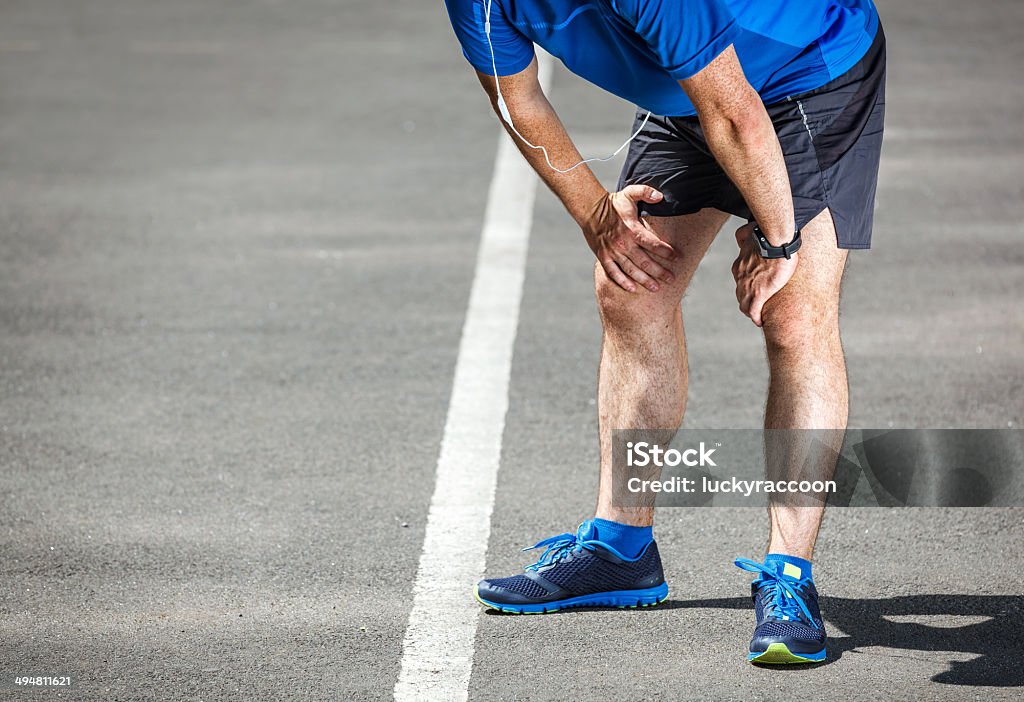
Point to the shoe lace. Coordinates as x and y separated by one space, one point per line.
558 547
783 596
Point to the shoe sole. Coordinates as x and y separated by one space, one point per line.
622 599
779 654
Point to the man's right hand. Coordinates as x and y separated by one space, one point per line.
623 243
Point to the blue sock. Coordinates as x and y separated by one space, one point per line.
791 567
628 540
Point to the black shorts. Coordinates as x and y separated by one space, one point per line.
831 138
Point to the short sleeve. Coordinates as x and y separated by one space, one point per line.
512 50
685 35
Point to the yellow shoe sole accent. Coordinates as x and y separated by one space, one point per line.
779 654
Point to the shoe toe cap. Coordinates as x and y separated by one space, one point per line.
801 642
492 592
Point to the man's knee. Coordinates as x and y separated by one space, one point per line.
796 323
617 306
628 310
804 315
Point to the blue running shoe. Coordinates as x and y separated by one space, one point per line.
789 626
577 570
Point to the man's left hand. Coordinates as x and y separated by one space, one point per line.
757 279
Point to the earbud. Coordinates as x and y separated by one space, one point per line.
507 116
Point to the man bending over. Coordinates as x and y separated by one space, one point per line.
771 111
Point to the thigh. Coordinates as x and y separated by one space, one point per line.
812 294
690 235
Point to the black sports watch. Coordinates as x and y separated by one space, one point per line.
768 251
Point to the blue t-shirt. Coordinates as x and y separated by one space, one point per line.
639 49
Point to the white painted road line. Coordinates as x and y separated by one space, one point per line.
437 654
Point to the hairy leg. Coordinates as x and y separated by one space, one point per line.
642 380
808 388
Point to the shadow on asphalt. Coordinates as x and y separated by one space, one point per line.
997 642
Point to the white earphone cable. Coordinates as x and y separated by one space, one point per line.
507 117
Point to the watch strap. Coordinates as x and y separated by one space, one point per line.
768 251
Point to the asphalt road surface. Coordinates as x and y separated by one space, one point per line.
238 242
